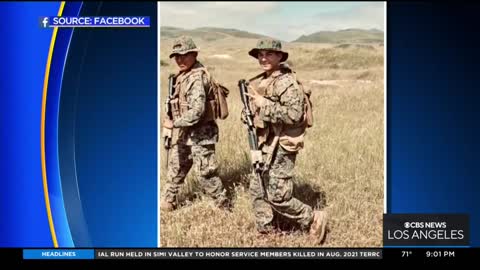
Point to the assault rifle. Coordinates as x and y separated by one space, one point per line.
167 133
255 153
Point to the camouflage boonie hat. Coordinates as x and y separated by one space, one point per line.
269 45
183 45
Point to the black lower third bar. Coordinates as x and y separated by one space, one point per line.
423 254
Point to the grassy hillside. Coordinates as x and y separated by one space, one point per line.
207 33
344 36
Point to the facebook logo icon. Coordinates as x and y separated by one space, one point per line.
44 23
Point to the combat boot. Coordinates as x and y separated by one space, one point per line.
264 231
318 227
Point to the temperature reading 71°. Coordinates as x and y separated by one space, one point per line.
406 253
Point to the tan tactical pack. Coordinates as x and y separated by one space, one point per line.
308 103
216 106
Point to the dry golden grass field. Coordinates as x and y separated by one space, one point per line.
341 168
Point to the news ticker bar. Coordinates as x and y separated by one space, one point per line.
166 253
103 21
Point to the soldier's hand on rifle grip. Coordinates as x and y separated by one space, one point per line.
167 132
243 116
167 136
167 123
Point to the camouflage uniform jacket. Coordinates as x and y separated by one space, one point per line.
191 88
284 107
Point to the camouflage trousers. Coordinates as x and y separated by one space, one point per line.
202 157
279 189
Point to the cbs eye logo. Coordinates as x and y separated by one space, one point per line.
414 225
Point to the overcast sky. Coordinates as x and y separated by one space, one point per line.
283 20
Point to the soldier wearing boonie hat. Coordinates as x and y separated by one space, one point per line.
282 113
196 132
269 45
183 45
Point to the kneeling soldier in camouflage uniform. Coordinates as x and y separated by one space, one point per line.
279 104
194 130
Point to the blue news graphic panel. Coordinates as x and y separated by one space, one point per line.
24 51
433 111
100 129
100 148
